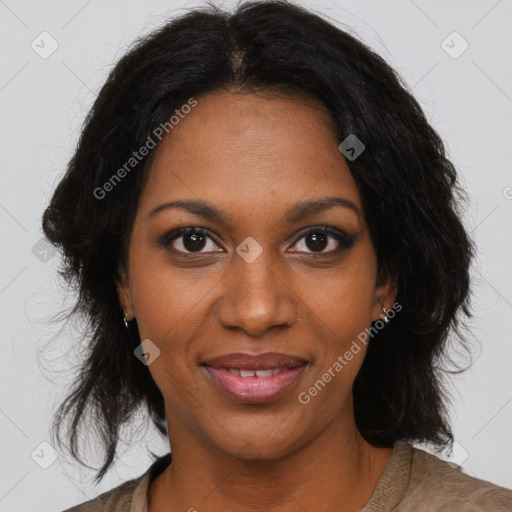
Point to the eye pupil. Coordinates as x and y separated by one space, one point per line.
197 241
319 241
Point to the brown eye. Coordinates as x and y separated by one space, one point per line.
188 240
320 240
317 240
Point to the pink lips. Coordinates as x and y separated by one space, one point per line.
283 371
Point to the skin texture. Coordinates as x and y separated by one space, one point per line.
254 157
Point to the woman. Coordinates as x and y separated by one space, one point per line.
266 207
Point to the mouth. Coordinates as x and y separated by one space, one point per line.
252 379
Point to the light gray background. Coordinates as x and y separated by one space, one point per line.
468 99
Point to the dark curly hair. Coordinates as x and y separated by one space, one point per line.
409 190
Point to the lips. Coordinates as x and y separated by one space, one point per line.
250 379
265 361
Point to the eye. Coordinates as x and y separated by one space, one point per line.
188 240
194 240
317 239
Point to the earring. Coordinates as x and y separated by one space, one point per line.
385 317
125 318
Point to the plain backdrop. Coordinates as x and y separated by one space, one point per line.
463 82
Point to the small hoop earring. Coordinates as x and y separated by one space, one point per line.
385 317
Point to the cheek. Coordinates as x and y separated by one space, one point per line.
173 304
167 315
342 309
344 300
171 308
165 297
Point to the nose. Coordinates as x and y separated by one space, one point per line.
257 296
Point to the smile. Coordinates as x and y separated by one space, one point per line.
254 386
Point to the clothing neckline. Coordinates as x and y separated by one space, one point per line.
388 492
394 480
140 496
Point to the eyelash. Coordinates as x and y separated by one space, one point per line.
345 241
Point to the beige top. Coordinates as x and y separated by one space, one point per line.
413 481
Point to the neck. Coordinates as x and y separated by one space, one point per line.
336 470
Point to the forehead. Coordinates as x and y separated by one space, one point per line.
240 149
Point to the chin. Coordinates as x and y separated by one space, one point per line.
261 440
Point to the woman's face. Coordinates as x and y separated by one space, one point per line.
259 279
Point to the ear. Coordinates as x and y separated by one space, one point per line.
124 291
385 292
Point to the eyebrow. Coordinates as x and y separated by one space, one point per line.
294 214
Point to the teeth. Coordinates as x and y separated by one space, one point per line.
255 373
264 373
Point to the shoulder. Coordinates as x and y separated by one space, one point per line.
441 486
130 496
115 500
